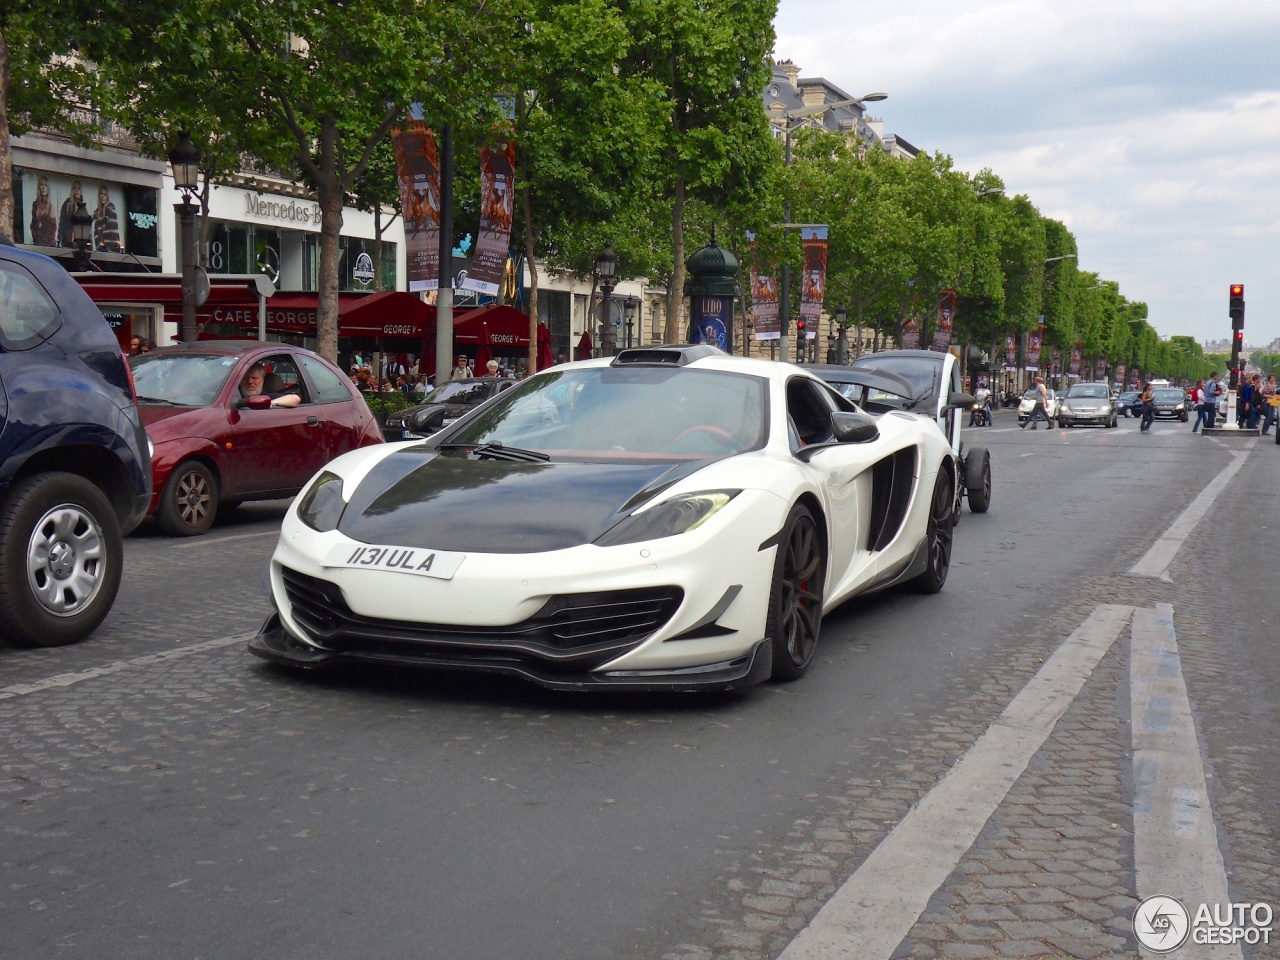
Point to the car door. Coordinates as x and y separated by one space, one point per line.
275 450
835 470
338 411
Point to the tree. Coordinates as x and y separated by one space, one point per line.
710 59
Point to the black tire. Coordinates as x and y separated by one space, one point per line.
189 501
795 597
61 553
977 480
938 538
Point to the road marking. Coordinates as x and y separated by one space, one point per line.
63 680
1155 562
202 541
1175 842
876 908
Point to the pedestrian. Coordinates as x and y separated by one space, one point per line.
1148 401
1254 400
1270 403
135 342
1041 408
1212 391
491 368
1197 397
460 369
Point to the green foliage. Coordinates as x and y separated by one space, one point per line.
388 402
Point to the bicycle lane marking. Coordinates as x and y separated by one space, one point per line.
1176 852
1155 562
63 680
877 906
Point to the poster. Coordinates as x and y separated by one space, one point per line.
1034 340
1074 370
813 280
942 331
418 170
910 334
124 216
497 207
1010 352
712 321
764 300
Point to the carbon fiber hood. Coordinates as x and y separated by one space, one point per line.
419 498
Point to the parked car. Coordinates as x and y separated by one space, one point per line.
442 406
1125 401
1087 403
670 518
215 448
1028 403
75 472
1171 404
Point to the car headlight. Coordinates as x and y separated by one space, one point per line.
1178 407
678 515
320 508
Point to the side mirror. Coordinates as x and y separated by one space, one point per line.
260 402
959 400
848 427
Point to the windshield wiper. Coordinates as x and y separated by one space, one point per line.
158 400
497 450
924 396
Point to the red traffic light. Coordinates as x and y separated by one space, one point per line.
1239 335
1237 290
799 324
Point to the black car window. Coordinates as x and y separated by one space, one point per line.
28 317
283 377
329 388
809 408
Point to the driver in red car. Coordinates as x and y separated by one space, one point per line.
254 383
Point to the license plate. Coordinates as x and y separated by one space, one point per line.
413 436
417 561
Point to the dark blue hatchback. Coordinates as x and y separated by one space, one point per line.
75 471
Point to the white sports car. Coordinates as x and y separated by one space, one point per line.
670 518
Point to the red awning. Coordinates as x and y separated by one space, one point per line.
507 327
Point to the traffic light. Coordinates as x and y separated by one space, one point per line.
801 345
1236 306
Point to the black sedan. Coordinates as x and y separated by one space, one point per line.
1171 404
442 406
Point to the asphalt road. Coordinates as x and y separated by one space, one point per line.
174 797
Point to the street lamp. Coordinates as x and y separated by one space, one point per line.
81 236
606 270
630 310
991 192
788 126
184 158
1065 256
842 336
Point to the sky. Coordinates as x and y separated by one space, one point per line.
1151 129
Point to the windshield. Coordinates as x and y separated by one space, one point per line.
184 379
460 391
921 372
1171 393
611 413
1091 390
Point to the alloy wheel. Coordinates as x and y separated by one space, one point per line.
65 560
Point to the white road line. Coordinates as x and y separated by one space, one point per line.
63 680
1155 562
1175 843
876 907
205 541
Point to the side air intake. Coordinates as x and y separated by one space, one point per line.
891 481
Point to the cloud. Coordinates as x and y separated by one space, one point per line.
1150 128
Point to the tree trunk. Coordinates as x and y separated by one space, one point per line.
6 156
675 292
330 196
530 248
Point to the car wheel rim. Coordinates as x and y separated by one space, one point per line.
66 560
940 533
193 499
986 480
801 592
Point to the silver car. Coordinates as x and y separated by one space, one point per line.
1087 403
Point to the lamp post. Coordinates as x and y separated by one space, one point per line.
629 309
81 236
793 121
185 160
842 335
606 270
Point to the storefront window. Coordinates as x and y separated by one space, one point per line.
356 265
553 310
124 215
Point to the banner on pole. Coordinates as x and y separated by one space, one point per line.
1076 360
813 282
1010 352
1034 340
764 300
942 331
497 207
418 173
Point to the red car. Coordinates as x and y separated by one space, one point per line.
214 446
